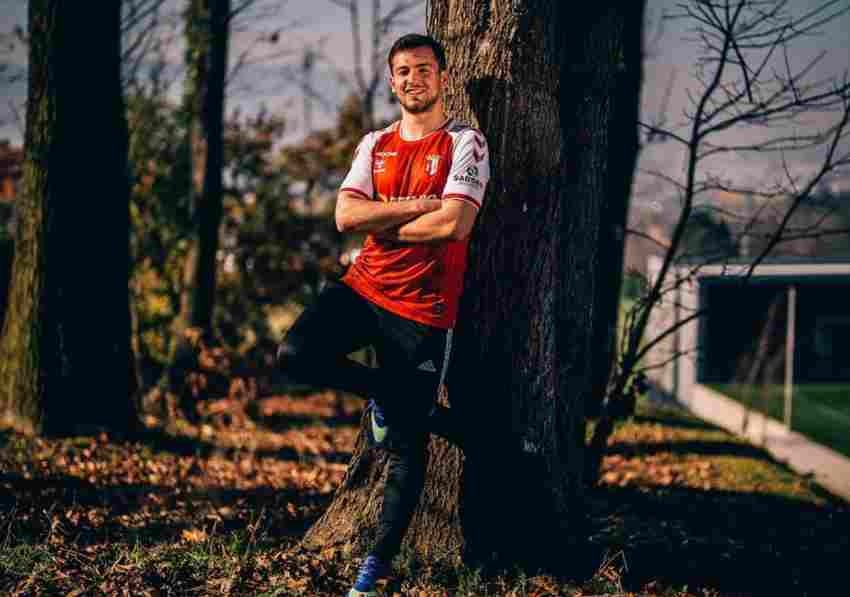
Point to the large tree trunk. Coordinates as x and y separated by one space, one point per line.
65 357
545 82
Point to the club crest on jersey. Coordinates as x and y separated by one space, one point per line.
380 165
432 163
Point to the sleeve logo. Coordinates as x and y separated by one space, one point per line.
469 177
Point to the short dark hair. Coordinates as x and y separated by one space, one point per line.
417 40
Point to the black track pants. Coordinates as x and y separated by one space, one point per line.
411 358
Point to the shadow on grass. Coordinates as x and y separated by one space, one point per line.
676 422
746 543
279 423
160 441
38 503
695 447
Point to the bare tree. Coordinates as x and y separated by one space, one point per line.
142 23
369 56
745 82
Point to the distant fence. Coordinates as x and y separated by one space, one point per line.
776 345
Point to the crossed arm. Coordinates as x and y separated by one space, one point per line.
416 221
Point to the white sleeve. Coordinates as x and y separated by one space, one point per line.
470 169
359 177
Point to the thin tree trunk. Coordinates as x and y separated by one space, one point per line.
211 121
207 24
65 358
207 34
627 29
625 102
542 81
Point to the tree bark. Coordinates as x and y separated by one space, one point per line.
546 83
65 360
624 105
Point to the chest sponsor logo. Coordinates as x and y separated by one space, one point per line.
394 199
380 163
432 163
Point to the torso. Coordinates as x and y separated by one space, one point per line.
420 281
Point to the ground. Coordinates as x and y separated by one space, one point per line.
219 507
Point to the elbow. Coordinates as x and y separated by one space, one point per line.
343 222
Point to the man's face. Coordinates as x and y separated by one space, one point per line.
417 80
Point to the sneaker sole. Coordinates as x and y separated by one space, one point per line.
379 434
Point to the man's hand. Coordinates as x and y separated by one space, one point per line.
356 213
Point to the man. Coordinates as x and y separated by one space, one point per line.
415 188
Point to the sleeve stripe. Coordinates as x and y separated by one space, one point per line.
355 191
462 197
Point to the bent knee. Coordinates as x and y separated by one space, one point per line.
294 360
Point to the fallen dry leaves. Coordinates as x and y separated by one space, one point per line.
217 508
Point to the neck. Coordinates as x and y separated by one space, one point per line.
416 126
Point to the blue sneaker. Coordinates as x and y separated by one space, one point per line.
371 570
378 427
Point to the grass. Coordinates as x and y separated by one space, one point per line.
684 509
819 411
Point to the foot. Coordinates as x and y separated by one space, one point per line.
378 427
371 570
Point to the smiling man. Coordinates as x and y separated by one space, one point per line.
415 189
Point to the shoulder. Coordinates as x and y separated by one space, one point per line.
463 133
370 140
383 133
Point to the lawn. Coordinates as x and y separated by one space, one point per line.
819 411
684 509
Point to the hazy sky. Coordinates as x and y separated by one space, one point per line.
324 26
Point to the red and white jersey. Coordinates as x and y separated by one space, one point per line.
419 281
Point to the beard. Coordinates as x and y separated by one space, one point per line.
418 105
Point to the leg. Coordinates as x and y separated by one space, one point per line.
412 358
316 347
404 353
405 480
